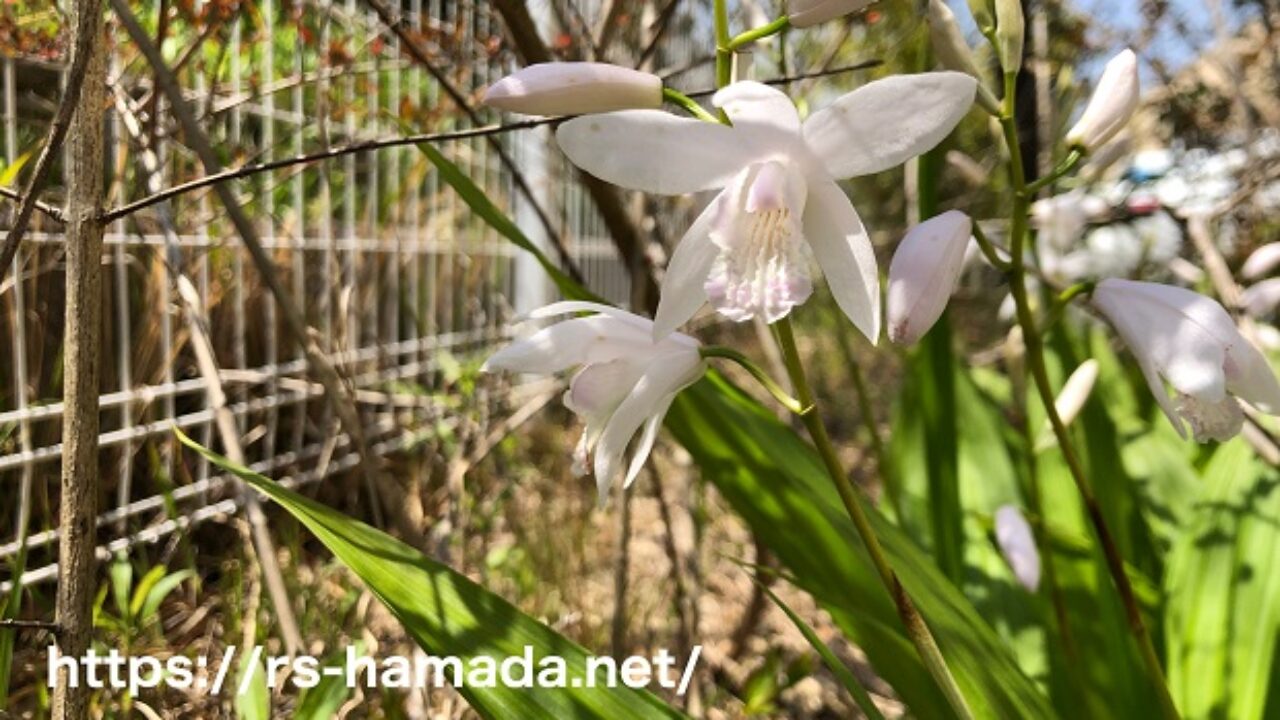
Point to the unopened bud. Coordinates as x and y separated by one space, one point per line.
1111 106
1018 545
575 88
1010 28
952 51
924 272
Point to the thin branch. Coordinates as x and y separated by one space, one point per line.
50 211
245 171
29 625
87 21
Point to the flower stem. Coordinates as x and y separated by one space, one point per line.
759 33
988 250
1036 366
724 53
688 104
914 623
1067 165
768 383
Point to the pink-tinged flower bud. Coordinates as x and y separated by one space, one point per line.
1261 261
1018 546
805 13
924 272
1111 106
575 88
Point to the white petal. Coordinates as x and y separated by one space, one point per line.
578 341
647 437
1018 545
764 112
883 123
565 307
660 381
924 272
682 286
571 88
1249 376
597 389
1261 261
654 151
843 250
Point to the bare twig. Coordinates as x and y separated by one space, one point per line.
84 39
50 211
336 392
82 360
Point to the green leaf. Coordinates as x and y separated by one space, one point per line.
121 574
322 701
158 592
1223 585
837 668
484 208
255 702
448 614
776 483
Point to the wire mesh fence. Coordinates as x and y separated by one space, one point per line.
387 263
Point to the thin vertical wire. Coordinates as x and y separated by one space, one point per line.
239 354
300 212
124 331
395 215
18 317
270 349
349 202
203 248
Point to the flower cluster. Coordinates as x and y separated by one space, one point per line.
779 211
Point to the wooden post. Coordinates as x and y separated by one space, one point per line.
83 334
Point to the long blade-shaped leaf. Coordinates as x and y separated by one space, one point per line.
483 207
776 483
448 614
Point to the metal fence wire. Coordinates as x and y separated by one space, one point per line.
386 261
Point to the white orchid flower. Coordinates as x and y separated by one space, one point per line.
626 383
748 252
1190 341
1018 545
573 88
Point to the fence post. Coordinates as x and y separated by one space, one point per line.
82 332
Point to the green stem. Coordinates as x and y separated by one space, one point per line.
989 250
888 474
767 382
1039 371
759 33
724 54
1068 164
689 104
917 630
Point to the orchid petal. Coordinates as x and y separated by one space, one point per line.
844 252
578 341
682 287
654 151
647 437
924 272
763 111
658 382
1250 377
1261 261
886 122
